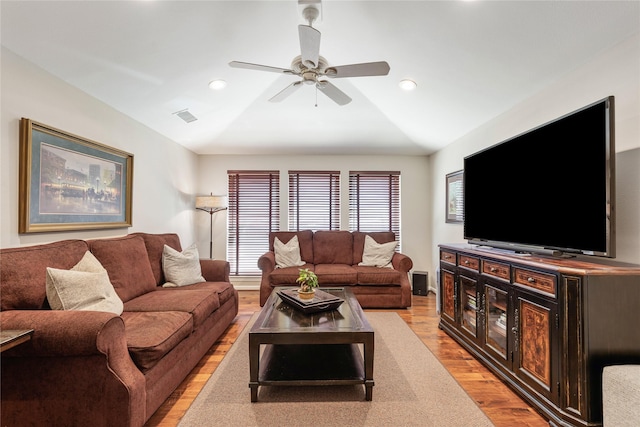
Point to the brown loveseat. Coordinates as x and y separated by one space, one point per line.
96 368
334 257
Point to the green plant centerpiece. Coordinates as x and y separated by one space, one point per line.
308 282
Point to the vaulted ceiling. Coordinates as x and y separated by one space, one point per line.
471 60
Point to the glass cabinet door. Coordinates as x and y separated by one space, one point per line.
496 320
470 307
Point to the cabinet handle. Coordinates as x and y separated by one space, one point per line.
455 294
514 329
466 262
493 269
531 280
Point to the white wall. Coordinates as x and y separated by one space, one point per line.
414 209
167 176
614 72
164 173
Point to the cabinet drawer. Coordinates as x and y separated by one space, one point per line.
449 257
496 269
469 262
539 281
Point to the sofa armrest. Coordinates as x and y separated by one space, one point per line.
401 262
65 333
74 370
267 262
215 270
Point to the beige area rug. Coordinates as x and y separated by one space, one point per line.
411 388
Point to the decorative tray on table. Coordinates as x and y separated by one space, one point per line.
322 301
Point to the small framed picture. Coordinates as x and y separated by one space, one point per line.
70 183
455 197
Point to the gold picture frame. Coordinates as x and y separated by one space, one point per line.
67 182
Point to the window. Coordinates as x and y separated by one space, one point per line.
254 211
314 200
374 201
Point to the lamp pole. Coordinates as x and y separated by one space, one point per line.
211 204
211 211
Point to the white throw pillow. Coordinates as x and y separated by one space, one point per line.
287 255
85 287
181 268
377 254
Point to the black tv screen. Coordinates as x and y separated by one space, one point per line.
551 188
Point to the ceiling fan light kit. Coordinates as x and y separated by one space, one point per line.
312 67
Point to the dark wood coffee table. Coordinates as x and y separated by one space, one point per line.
10 338
311 349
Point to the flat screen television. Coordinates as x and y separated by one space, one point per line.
548 190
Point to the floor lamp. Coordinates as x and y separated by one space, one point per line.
211 204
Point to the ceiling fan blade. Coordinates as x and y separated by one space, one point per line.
338 96
284 93
248 66
359 70
309 45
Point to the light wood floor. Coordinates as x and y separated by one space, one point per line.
499 403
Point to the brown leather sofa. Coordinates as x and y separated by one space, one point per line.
98 368
334 257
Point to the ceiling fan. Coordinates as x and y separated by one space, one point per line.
312 67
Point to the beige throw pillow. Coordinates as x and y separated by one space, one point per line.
85 287
287 255
181 268
377 254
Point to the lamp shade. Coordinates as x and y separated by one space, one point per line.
211 202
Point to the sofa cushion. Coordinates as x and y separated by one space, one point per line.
199 303
336 274
85 287
333 247
287 275
359 238
155 246
23 271
305 241
620 395
152 334
377 254
287 254
225 290
127 262
378 276
181 268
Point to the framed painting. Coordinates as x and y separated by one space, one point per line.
455 197
71 183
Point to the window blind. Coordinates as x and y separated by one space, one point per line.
374 201
314 200
254 211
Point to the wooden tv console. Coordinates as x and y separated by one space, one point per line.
546 326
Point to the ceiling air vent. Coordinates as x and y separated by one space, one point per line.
186 115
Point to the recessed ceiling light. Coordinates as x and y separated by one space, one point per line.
407 84
217 84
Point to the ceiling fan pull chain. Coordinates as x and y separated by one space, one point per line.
316 96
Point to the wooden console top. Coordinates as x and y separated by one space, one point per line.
577 265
